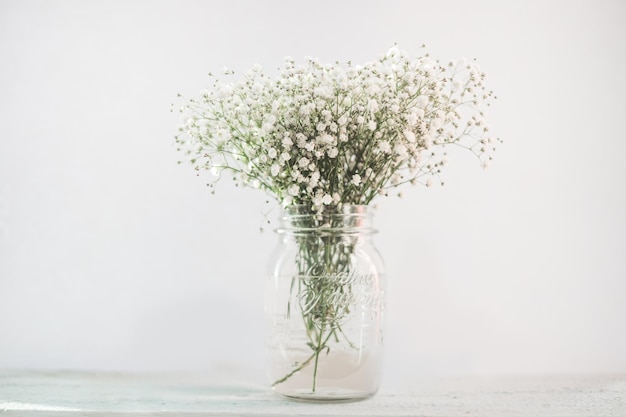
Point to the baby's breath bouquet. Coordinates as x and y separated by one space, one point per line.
332 134
321 137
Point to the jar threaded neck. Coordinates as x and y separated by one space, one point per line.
344 219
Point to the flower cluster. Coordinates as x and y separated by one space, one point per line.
331 134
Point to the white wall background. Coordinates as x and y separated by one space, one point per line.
114 257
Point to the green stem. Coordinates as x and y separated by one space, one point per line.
323 302
317 357
299 368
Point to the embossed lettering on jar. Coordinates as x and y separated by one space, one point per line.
324 305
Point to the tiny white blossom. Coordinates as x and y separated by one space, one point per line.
409 135
225 90
372 105
303 162
356 179
322 91
326 139
384 147
314 179
401 151
293 190
421 101
305 110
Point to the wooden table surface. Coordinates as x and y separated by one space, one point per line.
73 394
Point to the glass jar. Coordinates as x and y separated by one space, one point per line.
324 305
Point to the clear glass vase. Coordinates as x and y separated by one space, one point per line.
324 305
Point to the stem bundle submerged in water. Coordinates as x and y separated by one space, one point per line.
322 287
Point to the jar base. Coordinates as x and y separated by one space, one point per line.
327 395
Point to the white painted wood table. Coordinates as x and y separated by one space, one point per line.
73 394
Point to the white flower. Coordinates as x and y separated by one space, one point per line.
401 151
356 179
271 152
326 139
372 89
305 110
223 135
225 90
384 147
372 105
287 142
421 101
428 141
275 170
409 135
314 179
327 199
322 91
293 190
371 125
285 156
409 76
303 162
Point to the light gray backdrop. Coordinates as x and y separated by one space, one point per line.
114 257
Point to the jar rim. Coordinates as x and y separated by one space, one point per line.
342 219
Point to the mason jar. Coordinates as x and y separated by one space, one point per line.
324 305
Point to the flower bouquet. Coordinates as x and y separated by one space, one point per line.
324 140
